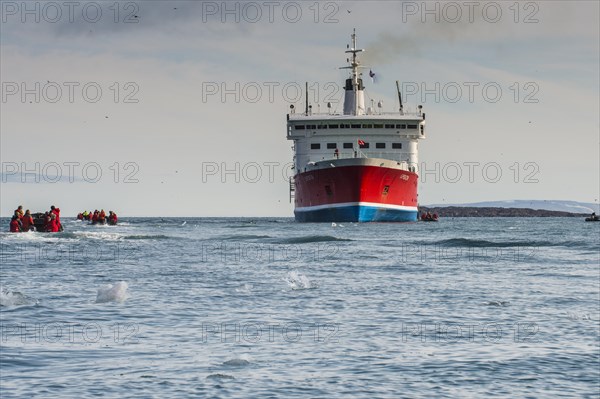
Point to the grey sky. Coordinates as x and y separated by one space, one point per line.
159 123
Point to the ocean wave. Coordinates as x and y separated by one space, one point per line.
497 303
235 224
29 236
311 239
94 235
98 225
470 243
220 376
245 237
245 289
238 362
62 236
150 237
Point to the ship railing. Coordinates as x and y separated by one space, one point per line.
359 154
350 154
405 113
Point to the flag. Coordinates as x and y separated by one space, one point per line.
372 75
361 143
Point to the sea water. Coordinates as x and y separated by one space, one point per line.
242 308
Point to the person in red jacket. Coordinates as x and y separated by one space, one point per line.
19 211
15 224
56 211
95 217
112 218
102 217
46 221
53 224
27 221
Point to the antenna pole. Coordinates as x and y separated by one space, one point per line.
306 106
354 65
400 98
355 72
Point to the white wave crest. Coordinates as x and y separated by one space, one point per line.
99 235
245 289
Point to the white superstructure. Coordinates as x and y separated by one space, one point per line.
389 136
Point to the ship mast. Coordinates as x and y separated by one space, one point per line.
354 65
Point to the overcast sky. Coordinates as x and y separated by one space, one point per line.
178 108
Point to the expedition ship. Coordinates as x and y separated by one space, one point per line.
359 166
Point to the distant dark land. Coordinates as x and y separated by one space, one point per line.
460 211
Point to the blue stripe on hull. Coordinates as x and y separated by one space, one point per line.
356 213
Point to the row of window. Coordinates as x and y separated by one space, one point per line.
332 146
357 126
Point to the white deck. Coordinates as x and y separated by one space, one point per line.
386 116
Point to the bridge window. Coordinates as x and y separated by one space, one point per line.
322 127
379 145
390 126
355 126
334 126
299 127
411 126
348 145
331 146
397 146
313 126
344 126
369 126
365 145
402 126
377 126
315 146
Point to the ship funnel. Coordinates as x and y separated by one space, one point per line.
354 101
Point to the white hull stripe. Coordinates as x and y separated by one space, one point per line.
346 204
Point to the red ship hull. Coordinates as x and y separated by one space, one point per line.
356 193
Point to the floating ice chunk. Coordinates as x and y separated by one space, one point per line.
12 298
298 281
113 293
